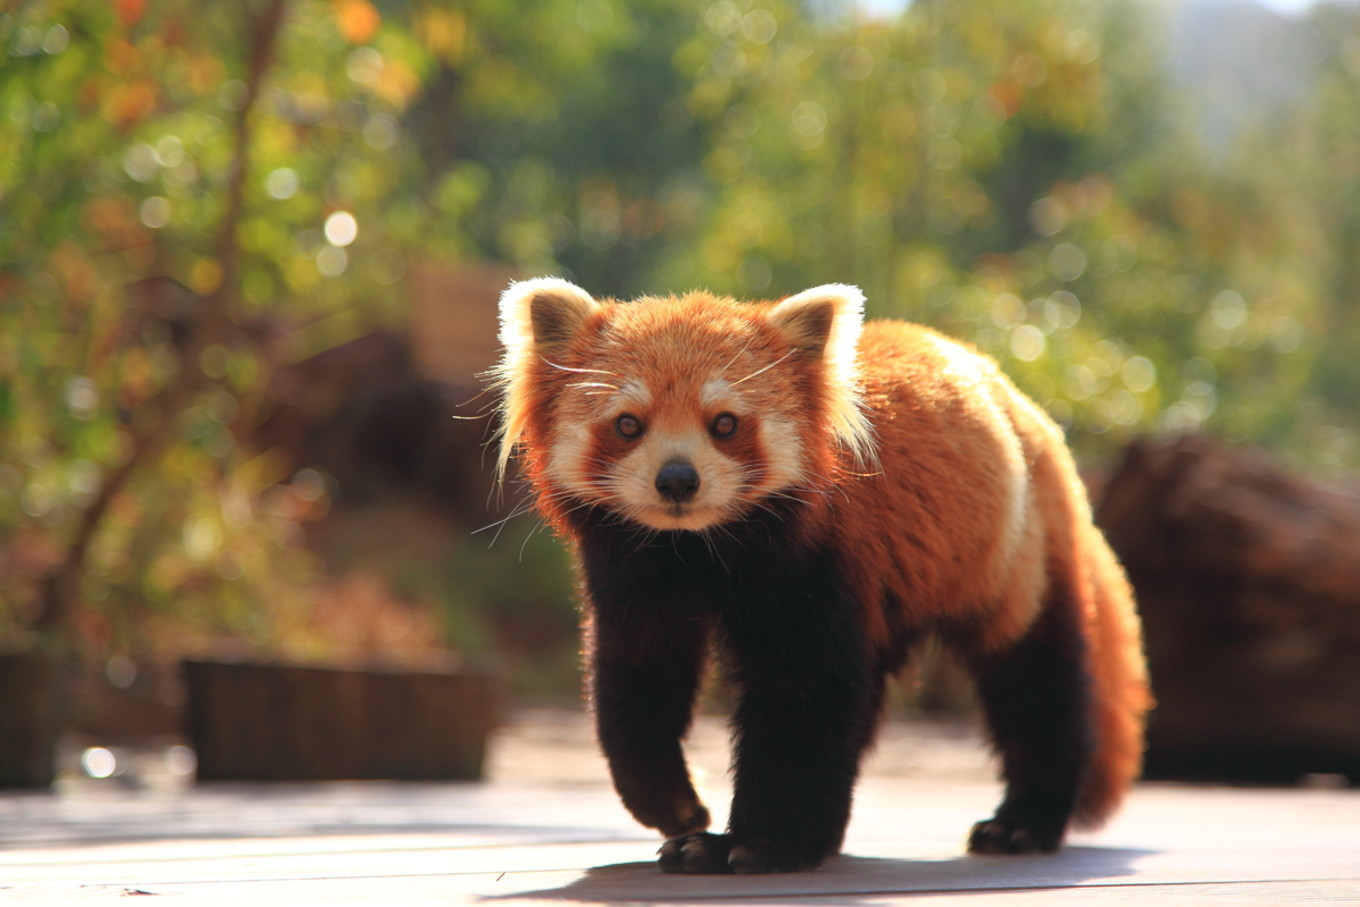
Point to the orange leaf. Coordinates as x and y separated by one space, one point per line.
131 11
135 102
358 20
121 58
1005 98
397 83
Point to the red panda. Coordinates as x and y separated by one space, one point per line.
809 495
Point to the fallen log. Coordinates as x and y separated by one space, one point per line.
1248 580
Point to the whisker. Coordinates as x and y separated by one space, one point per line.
760 371
520 508
475 397
768 509
525 544
712 549
500 527
724 529
583 371
612 387
731 362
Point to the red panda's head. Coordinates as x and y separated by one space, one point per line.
678 412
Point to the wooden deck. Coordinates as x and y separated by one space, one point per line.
547 828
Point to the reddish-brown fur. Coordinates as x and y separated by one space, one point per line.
938 451
967 516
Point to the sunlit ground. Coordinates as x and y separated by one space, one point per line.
548 828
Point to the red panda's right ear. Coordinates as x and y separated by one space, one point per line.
824 322
537 316
543 313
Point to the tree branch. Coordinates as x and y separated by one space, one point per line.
60 587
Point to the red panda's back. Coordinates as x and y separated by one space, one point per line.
947 525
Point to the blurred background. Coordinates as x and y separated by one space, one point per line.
249 257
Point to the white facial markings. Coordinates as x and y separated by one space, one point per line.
720 481
782 448
568 463
783 455
675 428
715 394
634 394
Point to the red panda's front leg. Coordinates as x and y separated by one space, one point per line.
809 706
643 698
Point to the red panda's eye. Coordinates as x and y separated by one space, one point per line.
725 425
628 426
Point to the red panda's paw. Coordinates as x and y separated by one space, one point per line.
701 853
1008 836
720 854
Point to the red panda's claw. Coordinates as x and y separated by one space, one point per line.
743 859
999 836
712 854
701 853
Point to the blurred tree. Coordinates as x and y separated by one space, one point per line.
1308 171
1022 175
119 344
193 196
557 155
936 159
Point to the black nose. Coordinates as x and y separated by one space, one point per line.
677 481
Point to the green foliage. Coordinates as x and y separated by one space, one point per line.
1022 175
132 299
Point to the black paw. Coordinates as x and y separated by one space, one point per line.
1007 836
697 853
715 854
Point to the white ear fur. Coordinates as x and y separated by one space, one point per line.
542 312
536 316
825 318
826 321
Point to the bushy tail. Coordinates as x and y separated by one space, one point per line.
1121 693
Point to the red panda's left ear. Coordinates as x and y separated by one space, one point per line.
824 320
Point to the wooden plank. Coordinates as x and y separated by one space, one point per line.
507 840
536 840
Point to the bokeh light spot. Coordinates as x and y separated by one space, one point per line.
341 228
332 261
1027 343
154 212
99 762
281 183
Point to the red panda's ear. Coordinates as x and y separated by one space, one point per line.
536 317
824 320
543 313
